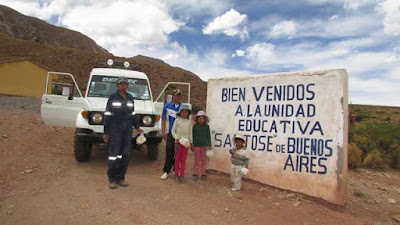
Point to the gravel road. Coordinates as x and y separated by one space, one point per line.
30 104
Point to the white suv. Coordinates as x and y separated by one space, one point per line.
63 105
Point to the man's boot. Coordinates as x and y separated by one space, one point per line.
122 183
112 185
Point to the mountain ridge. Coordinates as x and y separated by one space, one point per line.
79 60
33 29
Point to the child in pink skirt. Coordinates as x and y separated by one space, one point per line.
201 142
182 130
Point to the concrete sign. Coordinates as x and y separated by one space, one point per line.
296 128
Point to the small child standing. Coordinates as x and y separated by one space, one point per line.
239 160
201 143
182 130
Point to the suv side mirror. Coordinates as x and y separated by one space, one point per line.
70 97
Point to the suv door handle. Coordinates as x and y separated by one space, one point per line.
49 102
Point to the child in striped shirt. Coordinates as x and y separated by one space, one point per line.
239 161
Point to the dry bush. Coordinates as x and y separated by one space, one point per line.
379 136
355 156
374 160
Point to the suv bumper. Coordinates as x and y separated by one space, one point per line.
89 136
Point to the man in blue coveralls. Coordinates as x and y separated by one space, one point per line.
169 114
118 121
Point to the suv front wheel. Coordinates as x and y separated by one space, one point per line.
152 151
82 149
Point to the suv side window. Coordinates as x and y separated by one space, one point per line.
61 85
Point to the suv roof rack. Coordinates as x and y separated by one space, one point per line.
117 64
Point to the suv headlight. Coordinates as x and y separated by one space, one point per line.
147 120
97 118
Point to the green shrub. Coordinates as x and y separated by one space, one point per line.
364 142
381 136
355 156
362 115
374 160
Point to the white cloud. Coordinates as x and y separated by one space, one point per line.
261 54
374 91
333 17
259 26
373 40
391 21
169 52
338 25
56 7
357 4
209 64
109 23
212 64
121 22
321 2
200 8
232 23
283 29
239 53
348 25
44 9
373 74
311 55
394 75
396 51
170 56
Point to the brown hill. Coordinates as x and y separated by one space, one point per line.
36 30
80 62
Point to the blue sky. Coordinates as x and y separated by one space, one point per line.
223 38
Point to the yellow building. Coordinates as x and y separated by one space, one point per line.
22 77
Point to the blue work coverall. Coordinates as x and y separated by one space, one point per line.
118 123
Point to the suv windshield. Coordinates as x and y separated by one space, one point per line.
104 86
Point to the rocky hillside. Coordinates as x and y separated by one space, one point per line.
64 50
36 30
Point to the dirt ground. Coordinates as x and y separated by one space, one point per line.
41 183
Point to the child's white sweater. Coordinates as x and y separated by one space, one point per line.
182 128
